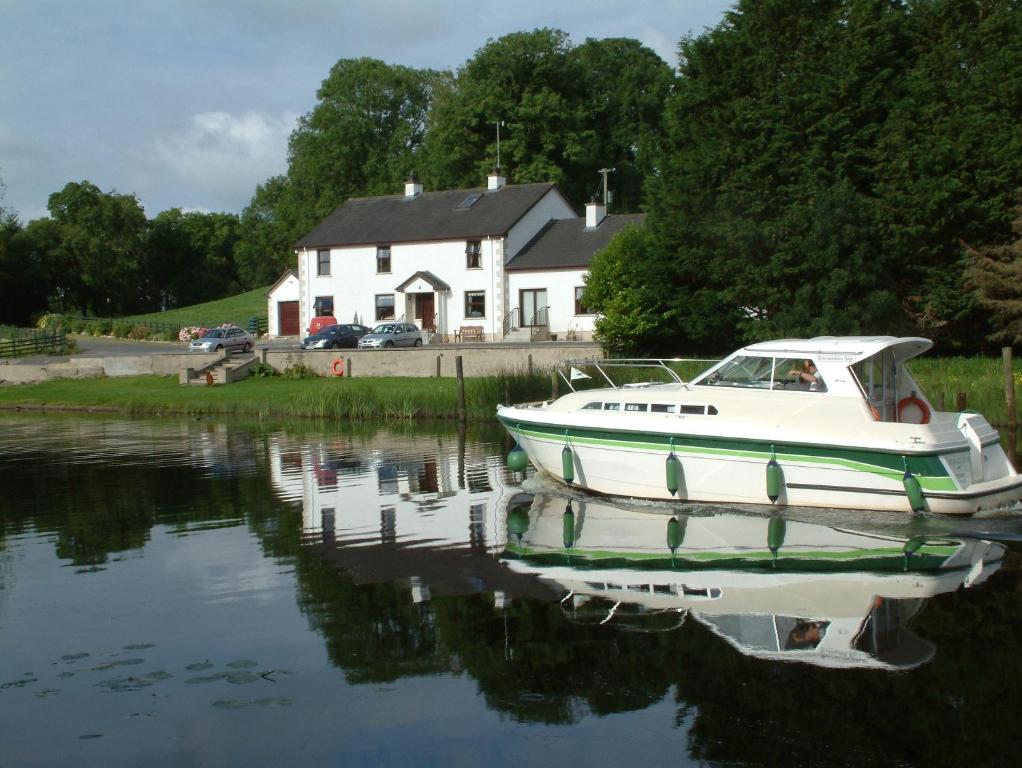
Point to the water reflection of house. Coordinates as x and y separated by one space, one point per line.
392 488
427 511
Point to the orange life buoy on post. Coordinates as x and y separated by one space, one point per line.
338 367
914 402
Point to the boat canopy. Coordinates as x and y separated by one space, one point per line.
844 349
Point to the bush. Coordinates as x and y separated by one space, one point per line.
298 370
140 332
263 370
78 325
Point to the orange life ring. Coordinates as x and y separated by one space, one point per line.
912 400
338 367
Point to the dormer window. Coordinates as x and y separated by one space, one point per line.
473 255
382 259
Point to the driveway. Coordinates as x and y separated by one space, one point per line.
103 346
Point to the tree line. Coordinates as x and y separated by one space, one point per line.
812 166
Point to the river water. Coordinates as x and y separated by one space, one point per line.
200 592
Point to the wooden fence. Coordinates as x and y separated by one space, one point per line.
20 342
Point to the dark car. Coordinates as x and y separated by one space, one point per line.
335 337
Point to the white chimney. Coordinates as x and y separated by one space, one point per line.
412 187
495 180
595 213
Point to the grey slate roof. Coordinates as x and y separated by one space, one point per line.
427 216
567 243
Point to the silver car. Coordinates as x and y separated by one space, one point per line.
387 335
232 337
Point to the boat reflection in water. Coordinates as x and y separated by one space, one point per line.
772 588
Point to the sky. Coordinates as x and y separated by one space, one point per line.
189 103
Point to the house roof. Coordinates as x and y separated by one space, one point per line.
446 215
280 280
428 277
565 243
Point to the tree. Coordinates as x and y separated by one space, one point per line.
565 113
360 139
995 274
624 88
264 250
190 257
102 241
796 184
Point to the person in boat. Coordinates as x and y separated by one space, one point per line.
805 636
807 374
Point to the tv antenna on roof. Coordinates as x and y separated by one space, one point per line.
603 172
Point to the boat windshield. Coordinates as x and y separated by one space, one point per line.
767 373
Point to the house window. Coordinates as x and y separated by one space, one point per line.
323 305
323 263
382 259
385 306
473 255
475 303
580 308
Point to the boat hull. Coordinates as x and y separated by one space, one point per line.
719 470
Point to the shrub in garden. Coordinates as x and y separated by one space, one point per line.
139 332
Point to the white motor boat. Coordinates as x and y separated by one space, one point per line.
772 588
823 422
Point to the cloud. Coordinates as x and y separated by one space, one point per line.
225 156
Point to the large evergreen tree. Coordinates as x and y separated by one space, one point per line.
822 161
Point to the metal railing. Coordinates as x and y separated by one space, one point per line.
512 320
540 325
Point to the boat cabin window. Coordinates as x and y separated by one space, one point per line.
877 377
768 373
661 408
592 407
636 407
612 406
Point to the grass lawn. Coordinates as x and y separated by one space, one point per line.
233 309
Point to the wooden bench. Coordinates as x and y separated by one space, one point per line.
469 333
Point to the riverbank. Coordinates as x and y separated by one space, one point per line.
980 379
278 397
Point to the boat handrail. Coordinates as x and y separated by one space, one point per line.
603 363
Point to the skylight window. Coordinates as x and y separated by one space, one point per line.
469 201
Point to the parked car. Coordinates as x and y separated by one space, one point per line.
231 337
392 335
320 322
335 337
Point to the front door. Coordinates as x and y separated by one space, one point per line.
533 304
425 311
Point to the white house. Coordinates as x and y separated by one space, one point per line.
503 258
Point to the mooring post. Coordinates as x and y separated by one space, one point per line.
553 384
460 374
1009 385
347 367
940 400
438 365
530 363
961 401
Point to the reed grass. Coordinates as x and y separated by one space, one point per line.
980 378
354 399
397 399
